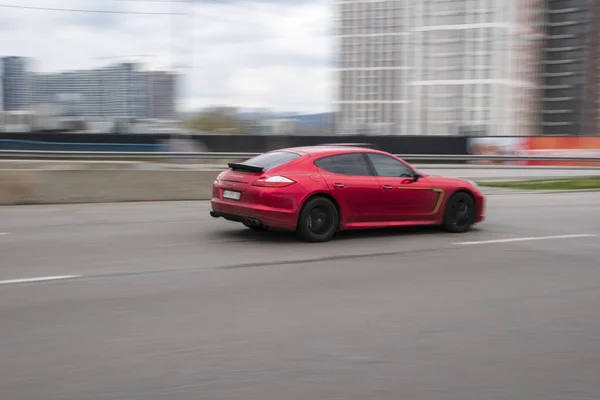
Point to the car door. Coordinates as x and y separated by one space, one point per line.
403 198
353 186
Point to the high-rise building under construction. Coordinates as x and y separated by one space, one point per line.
439 67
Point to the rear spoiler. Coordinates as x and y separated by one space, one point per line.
245 167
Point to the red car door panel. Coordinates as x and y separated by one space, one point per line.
353 186
403 199
359 198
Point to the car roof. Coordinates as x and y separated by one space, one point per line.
330 149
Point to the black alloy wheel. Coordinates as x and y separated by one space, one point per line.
318 221
459 215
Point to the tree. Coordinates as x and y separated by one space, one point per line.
216 119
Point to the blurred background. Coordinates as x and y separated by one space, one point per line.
117 117
391 68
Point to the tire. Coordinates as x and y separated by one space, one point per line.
318 220
459 214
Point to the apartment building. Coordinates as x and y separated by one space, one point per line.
570 102
15 83
116 91
121 90
162 92
439 67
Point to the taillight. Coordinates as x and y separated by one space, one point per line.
274 182
218 178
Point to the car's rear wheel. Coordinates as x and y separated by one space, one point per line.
459 215
318 221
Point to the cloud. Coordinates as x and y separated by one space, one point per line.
267 53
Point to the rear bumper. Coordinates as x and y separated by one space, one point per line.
253 214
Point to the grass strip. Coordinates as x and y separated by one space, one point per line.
548 184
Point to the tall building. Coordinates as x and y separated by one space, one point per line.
119 90
15 83
116 91
570 101
162 88
439 67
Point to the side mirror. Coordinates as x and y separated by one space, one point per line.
416 175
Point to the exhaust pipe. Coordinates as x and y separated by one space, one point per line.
254 222
214 214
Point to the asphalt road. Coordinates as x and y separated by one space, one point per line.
163 302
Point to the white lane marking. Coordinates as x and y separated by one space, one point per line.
39 279
3 233
526 239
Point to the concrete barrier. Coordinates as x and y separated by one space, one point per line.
16 187
103 186
94 182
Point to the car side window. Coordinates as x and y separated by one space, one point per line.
389 167
345 164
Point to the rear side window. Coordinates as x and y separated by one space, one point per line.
345 164
272 160
389 167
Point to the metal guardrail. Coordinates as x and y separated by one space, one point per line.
119 155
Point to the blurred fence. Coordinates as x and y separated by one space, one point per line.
37 145
222 142
573 151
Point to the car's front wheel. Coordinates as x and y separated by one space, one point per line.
459 215
318 221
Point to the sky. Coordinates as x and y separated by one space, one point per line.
274 54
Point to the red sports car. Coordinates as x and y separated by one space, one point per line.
320 190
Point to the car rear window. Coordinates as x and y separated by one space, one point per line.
271 160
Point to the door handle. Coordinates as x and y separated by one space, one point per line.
388 187
338 185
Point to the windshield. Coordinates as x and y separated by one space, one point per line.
272 159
